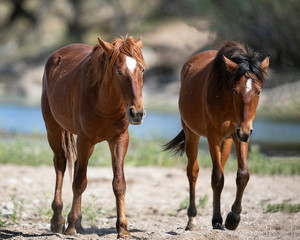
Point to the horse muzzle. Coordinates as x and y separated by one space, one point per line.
136 116
243 136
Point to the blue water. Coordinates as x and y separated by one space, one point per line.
20 119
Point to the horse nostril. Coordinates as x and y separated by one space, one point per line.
251 132
132 112
140 114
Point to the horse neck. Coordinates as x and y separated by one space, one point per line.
105 98
109 102
219 93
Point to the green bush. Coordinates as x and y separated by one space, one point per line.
35 151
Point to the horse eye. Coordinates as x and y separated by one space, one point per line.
143 70
119 72
235 91
258 93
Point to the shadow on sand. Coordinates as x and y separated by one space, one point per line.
8 234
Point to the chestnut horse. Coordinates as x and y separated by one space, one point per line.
92 93
218 99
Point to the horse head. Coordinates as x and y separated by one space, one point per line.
246 92
127 68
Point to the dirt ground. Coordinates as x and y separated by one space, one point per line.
153 200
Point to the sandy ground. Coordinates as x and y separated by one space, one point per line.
152 203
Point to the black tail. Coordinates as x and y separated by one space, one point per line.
176 145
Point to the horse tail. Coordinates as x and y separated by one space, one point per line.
70 151
176 145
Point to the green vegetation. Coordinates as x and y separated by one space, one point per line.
262 164
184 204
91 213
280 207
201 203
16 212
35 151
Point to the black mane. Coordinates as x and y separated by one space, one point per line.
248 61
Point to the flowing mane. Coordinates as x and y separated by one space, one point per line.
248 61
125 45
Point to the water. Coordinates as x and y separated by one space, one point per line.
20 119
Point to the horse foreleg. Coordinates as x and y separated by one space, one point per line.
118 148
217 182
191 149
85 150
242 178
78 226
225 151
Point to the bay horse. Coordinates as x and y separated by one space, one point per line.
218 98
91 94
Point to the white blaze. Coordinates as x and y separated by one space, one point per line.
131 63
249 85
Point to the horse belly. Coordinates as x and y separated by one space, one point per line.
192 113
62 112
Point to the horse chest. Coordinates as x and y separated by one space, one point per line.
104 129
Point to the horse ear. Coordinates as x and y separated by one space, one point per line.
107 47
265 63
139 42
231 66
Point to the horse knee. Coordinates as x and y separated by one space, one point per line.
119 185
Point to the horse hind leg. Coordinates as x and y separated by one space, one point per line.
57 220
85 149
54 134
191 149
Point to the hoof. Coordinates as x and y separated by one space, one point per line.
57 228
124 234
217 221
232 221
191 226
218 226
70 231
57 225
